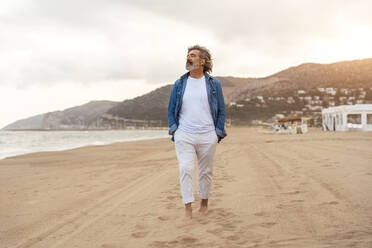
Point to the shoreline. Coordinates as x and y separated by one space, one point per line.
77 147
88 129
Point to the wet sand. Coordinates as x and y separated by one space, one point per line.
269 190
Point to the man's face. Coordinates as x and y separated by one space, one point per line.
193 60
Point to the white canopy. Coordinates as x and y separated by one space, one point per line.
348 117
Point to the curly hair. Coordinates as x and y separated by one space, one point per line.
205 54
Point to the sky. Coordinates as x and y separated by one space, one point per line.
60 54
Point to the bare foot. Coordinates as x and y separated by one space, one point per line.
203 210
188 211
187 220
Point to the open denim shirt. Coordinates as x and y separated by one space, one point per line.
215 99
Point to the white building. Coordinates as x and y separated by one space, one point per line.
331 91
344 91
260 98
348 117
290 100
301 92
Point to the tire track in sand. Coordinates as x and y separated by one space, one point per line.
74 224
281 175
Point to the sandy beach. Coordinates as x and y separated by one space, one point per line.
269 190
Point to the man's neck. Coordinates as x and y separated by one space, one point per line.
198 73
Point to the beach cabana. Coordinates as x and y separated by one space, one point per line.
292 124
347 118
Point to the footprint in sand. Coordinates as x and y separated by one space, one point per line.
297 201
216 231
223 213
268 224
203 221
218 194
171 197
109 246
140 227
233 237
187 240
170 205
163 218
162 244
291 192
185 222
230 226
281 206
262 214
139 234
330 203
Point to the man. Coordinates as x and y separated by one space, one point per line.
196 118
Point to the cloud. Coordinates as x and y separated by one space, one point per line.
270 35
257 19
86 42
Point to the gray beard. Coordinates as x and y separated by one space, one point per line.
190 67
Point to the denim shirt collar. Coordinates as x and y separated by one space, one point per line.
187 74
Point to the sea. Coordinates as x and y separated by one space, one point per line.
14 143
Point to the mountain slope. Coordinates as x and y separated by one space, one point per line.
151 106
147 110
79 117
345 74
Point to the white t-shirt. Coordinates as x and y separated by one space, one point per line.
195 113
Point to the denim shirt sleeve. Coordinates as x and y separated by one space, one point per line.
221 112
172 110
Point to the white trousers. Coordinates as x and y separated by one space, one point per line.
203 145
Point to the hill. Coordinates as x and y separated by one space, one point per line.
300 90
80 117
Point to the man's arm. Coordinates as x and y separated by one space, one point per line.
221 113
171 111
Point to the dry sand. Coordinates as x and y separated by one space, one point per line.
311 190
